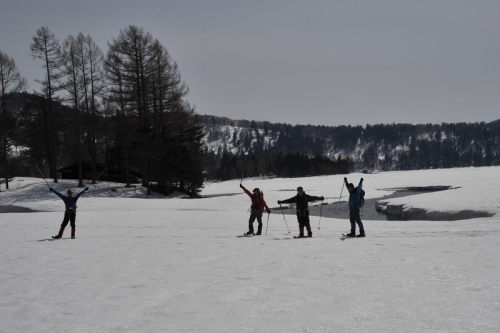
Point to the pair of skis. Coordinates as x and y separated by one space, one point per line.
254 234
347 236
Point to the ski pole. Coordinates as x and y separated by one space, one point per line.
320 211
101 173
42 175
284 219
343 184
98 176
341 191
267 225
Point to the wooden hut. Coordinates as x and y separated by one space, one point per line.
111 174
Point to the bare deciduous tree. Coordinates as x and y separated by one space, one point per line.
91 61
70 68
45 46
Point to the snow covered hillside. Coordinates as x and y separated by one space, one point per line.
156 264
371 147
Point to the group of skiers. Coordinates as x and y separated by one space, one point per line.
301 201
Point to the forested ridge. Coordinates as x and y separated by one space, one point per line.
372 147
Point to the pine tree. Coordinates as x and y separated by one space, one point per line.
11 82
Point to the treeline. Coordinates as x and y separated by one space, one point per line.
125 108
258 138
371 147
287 165
250 149
413 147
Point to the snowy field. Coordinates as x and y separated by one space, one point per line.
156 264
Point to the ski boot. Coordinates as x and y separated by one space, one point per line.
249 233
351 234
309 234
301 235
361 233
59 235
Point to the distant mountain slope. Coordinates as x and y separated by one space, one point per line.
372 147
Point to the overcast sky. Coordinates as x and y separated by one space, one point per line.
301 62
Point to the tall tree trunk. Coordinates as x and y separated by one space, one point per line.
6 163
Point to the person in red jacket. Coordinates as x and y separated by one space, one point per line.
258 205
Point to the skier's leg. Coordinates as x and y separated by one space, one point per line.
360 224
63 225
352 219
250 223
72 217
300 219
65 220
307 224
259 219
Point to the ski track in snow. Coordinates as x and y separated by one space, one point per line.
144 264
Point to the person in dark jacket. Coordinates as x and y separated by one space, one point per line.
70 213
354 215
258 205
301 200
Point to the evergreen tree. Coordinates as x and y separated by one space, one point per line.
11 82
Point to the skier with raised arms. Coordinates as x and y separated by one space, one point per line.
70 213
355 194
258 205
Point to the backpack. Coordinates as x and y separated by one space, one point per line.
259 205
361 198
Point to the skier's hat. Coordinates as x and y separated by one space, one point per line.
300 188
70 191
256 189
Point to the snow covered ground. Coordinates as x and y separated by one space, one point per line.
156 264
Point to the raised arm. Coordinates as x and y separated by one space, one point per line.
246 191
78 195
57 193
360 185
